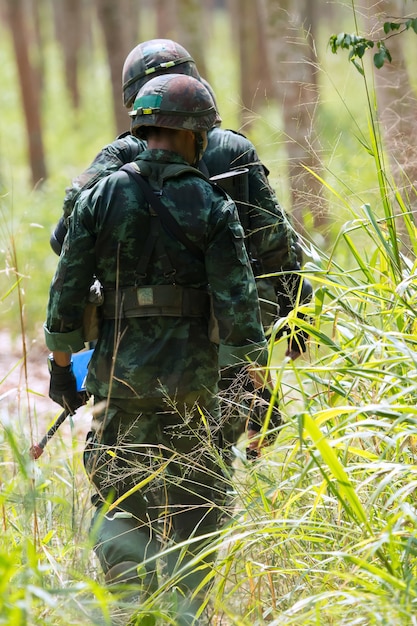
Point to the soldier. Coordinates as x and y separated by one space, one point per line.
154 371
271 241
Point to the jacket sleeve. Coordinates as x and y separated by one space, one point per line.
108 160
123 150
233 288
70 285
271 238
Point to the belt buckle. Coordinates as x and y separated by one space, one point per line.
145 296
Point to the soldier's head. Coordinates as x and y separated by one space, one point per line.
179 103
153 58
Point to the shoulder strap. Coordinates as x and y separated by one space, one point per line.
164 215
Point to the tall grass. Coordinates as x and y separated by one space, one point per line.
332 508
324 525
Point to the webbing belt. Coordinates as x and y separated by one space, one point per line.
153 300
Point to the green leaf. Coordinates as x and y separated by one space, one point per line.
382 55
392 26
343 40
360 50
379 59
382 46
347 492
332 44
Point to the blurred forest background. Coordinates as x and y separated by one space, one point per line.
326 522
274 76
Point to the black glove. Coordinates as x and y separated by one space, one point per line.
63 387
259 410
58 236
298 337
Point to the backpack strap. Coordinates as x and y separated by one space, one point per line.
161 210
154 243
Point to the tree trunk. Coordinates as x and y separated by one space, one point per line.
397 101
254 76
291 54
191 31
72 33
29 88
38 13
111 18
132 13
165 18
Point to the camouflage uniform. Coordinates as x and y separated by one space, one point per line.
271 241
269 233
164 376
269 236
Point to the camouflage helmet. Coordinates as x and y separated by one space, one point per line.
152 58
174 101
213 95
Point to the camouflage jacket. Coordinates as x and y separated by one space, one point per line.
269 235
107 232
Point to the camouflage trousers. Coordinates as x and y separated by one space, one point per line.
157 473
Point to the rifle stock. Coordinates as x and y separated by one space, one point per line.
235 183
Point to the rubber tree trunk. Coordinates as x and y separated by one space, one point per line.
292 61
111 18
397 99
29 88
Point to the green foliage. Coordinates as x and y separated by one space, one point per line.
358 45
401 25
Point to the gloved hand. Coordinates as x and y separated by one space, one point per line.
63 388
259 410
297 337
57 238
